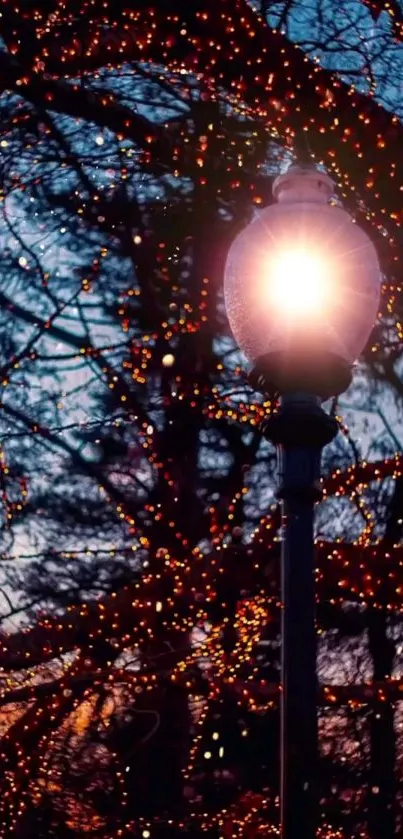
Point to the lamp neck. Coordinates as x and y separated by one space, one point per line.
303 184
301 422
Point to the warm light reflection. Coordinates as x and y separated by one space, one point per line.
298 283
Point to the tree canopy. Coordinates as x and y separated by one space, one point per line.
140 533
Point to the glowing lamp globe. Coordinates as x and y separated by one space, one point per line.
302 286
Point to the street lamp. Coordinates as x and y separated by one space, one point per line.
302 286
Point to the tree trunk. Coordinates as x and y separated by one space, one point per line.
382 779
382 783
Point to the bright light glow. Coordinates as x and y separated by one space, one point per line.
298 283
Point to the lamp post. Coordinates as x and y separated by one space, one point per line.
302 285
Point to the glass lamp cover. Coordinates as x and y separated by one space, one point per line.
302 271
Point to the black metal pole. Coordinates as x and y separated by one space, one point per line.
300 431
299 470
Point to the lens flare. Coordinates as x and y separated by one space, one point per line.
297 283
